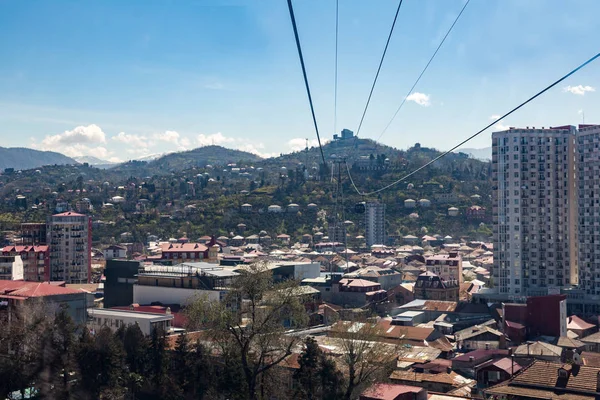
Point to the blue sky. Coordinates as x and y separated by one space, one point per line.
124 79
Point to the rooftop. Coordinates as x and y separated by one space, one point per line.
387 391
23 290
111 312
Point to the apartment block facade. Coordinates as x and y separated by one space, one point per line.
588 196
70 241
534 210
375 223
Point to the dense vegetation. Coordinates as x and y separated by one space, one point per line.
180 195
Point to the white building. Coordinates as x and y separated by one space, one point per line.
410 203
70 240
446 266
115 251
534 208
375 223
11 268
453 212
274 209
114 319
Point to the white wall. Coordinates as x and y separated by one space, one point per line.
307 271
170 295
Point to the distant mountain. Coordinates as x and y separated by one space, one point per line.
179 161
151 157
480 154
22 158
92 160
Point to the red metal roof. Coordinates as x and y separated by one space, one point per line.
25 249
68 214
182 247
21 289
386 391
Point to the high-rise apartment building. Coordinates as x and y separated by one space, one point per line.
534 210
375 223
588 195
70 241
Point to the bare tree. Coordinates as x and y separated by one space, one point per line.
364 359
250 322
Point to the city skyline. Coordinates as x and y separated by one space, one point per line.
138 80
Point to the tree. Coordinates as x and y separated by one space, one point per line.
318 376
364 359
249 323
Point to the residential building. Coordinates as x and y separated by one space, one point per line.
375 223
534 210
177 253
446 266
120 276
11 268
15 293
36 261
115 251
336 231
70 241
588 213
540 315
33 233
429 286
388 391
550 380
114 319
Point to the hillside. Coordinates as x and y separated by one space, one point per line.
22 158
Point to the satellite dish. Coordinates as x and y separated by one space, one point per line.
577 358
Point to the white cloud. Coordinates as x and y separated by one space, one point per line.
256 149
494 116
81 134
168 136
137 141
421 99
80 141
213 139
579 89
298 144
501 127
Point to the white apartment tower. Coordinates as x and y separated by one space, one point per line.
70 241
375 223
534 210
588 181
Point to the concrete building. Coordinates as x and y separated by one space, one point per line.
375 223
446 266
120 276
33 233
11 268
534 210
70 240
36 261
588 185
181 284
337 231
114 319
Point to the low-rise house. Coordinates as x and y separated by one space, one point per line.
539 351
442 382
176 253
53 296
386 277
429 286
592 342
446 266
550 380
480 337
388 391
468 363
579 326
494 372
